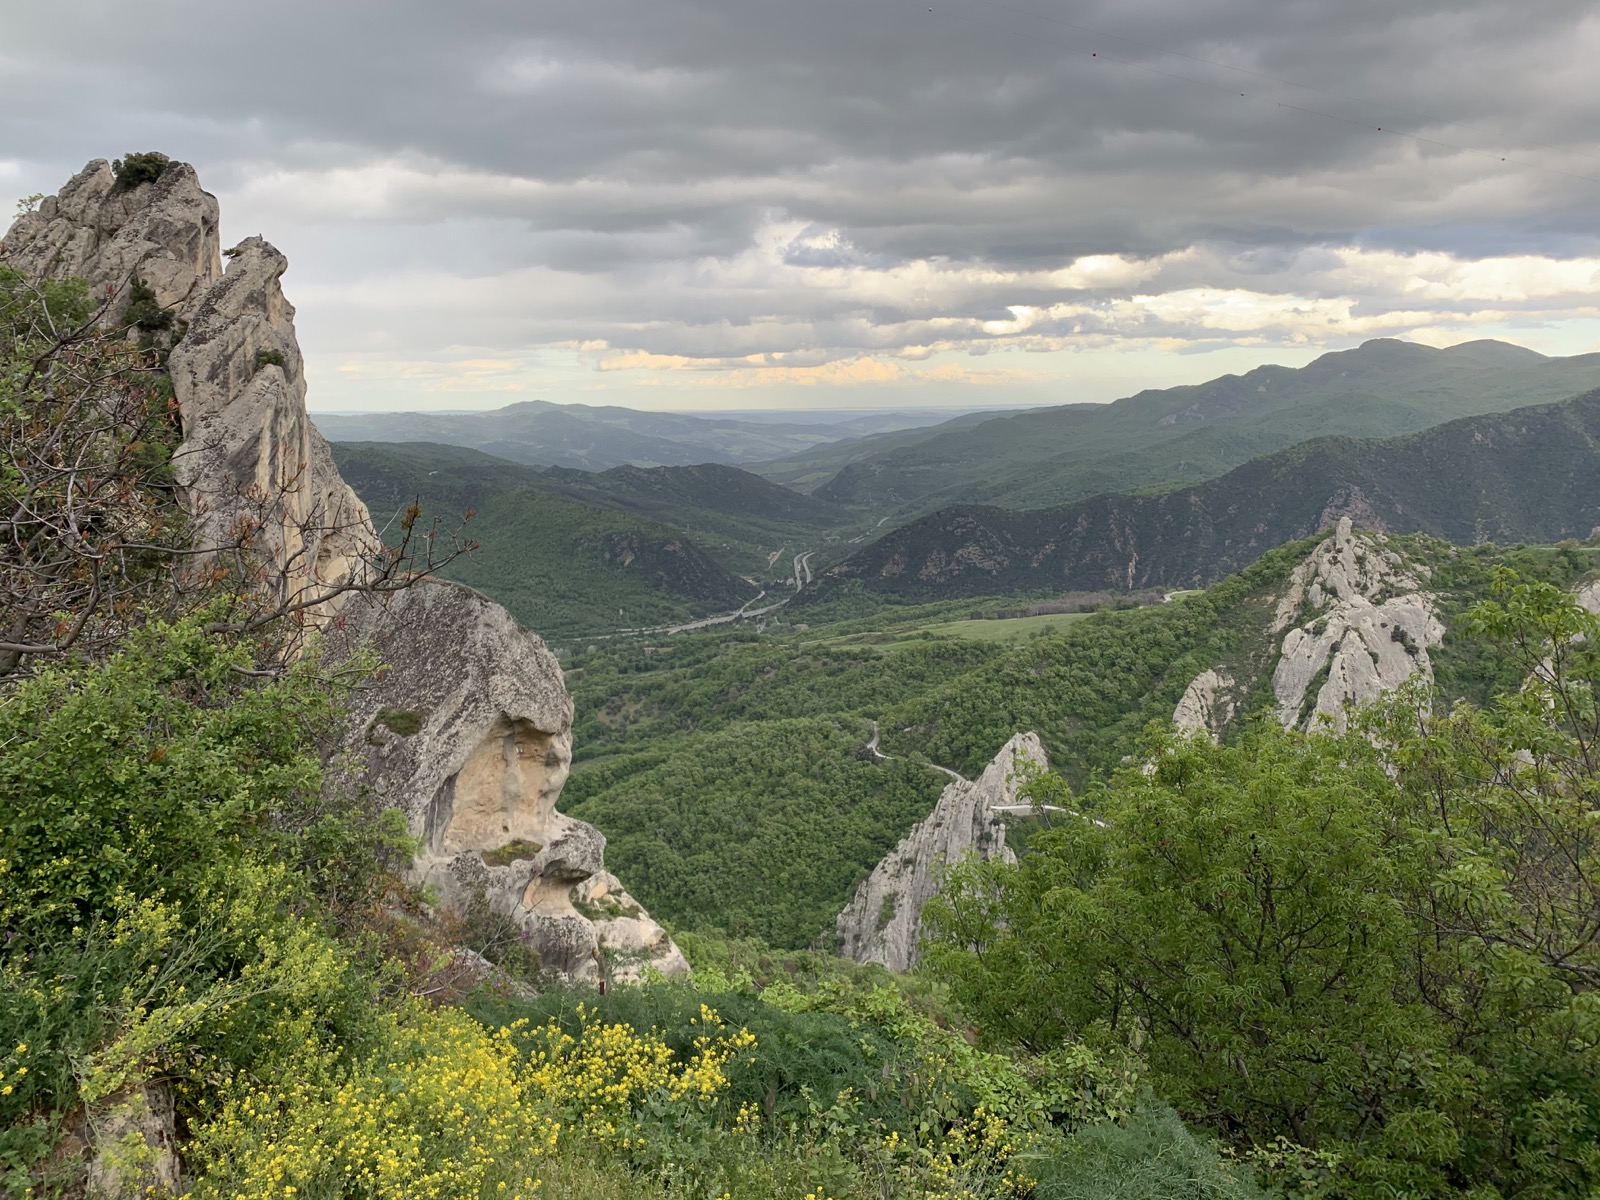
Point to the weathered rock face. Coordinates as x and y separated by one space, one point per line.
164 232
883 921
250 453
1207 705
469 730
249 447
1357 621
140 1117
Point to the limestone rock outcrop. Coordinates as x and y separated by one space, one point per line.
468 730
164 232
1357 620
250 449
883 921
1207 705
250 455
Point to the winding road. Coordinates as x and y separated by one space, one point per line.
872 749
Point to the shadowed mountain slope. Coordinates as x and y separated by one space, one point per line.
1528 475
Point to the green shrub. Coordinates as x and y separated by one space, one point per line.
407 722
144 312
1151 1156
139 168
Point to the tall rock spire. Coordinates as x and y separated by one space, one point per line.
482 742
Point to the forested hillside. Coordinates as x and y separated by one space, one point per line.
573 553
218 980
1186 434
712 761
1520 476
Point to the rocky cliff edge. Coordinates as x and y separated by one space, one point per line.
468 729
1356 620
883 921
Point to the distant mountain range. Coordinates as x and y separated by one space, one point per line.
574 552
1185 434
595 438
1529 475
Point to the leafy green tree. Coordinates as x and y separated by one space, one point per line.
1229 911
1382 946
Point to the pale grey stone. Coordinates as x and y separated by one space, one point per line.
1207 705
1358 616
480 773
248 442
164 231
883 921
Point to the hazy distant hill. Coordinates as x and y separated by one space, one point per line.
809 469
1187 434
1529 475
595 438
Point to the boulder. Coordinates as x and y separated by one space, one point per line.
467 730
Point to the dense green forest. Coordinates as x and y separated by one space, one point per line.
682 742
1380 945
563 565
1289 965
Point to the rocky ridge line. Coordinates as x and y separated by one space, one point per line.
1355 622
883 921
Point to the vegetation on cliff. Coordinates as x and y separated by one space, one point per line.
214 980
1380 946
1294 965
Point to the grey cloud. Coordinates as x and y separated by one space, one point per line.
617 144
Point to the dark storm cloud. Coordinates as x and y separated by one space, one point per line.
683 172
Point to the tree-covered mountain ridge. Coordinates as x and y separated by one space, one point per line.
1522 476
573 553
598 437
1051 456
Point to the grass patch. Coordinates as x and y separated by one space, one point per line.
510 852
1012 629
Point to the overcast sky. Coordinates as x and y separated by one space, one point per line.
851 203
